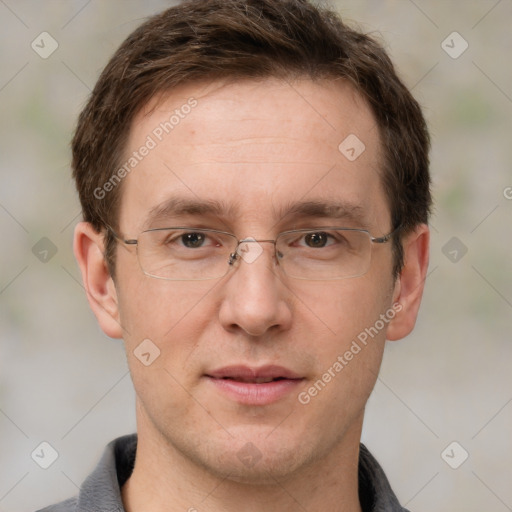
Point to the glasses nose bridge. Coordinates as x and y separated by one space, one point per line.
253 240
237 251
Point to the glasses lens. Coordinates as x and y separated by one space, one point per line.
324 253
189 254
185 253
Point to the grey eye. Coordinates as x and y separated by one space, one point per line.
193 240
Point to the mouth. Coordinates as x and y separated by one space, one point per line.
254 386
260 380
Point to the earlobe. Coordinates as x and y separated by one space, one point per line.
410 283
99 286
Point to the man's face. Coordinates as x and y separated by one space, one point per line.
256 149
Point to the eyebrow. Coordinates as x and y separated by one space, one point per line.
336 210
176 207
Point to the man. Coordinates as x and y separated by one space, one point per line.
255 189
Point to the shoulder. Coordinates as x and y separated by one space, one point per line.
101 489
375 493
68 505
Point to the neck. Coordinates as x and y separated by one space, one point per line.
164 479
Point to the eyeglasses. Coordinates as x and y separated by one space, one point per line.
192 254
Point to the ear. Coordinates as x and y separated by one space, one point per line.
410 283
88 246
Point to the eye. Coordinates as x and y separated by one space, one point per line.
193 240
189 240
317 240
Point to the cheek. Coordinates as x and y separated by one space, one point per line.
163 322
160 310
346 369
346 307
350 350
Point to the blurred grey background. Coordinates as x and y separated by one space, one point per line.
62 381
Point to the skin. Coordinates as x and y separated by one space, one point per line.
256 146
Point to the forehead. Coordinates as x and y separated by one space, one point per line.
254 149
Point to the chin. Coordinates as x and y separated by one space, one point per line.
258 459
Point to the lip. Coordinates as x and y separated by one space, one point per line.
240 383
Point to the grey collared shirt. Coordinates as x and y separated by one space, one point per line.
101 490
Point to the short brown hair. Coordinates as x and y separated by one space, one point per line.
235 39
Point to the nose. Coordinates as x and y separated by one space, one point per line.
255 299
